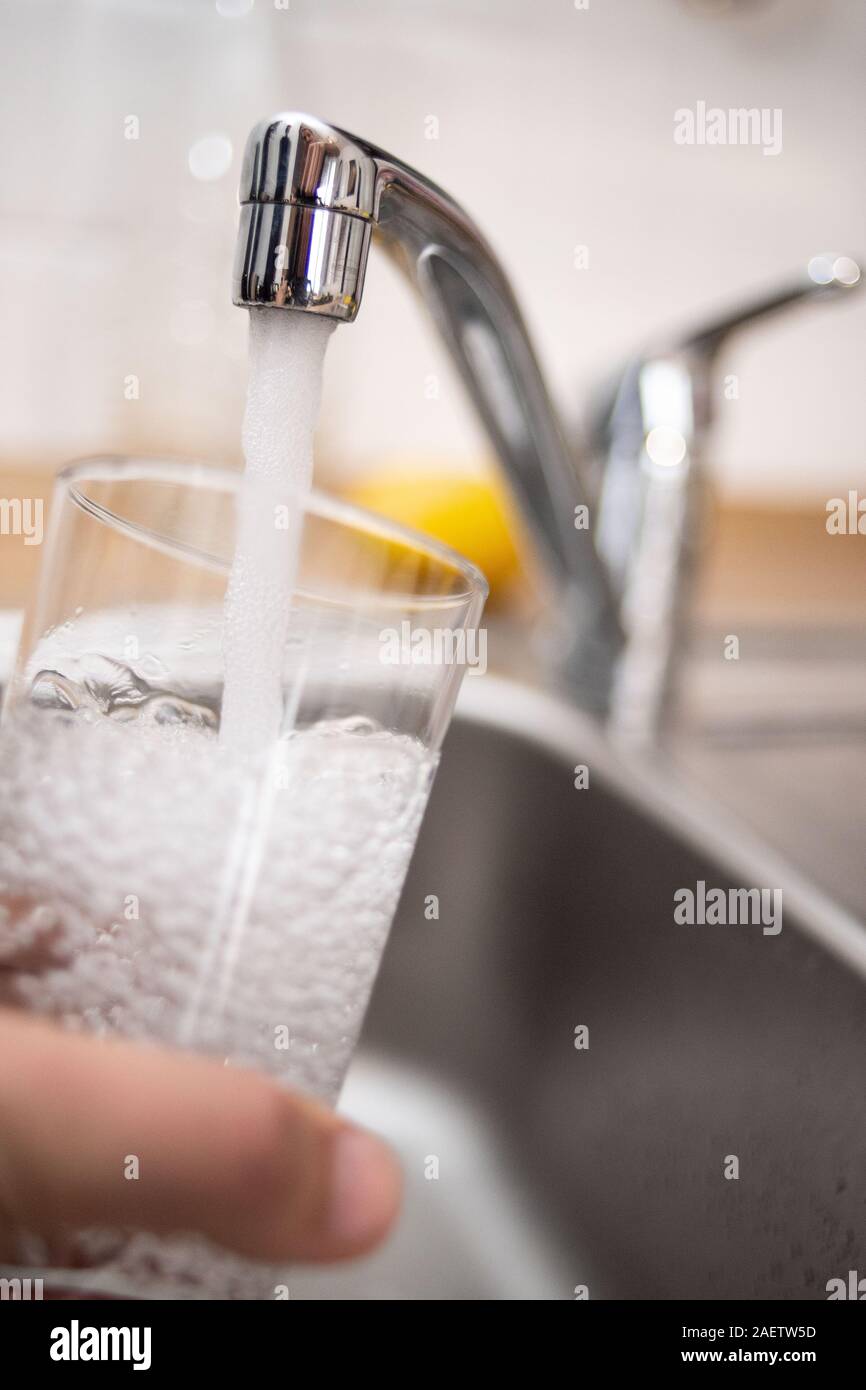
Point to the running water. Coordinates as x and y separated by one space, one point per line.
287 354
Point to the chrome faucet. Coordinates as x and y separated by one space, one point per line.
312 198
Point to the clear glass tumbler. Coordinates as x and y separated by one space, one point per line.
162 884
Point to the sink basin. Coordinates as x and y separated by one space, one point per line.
537 1169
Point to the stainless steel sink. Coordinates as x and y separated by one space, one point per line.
605 1167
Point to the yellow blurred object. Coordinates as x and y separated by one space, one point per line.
469 513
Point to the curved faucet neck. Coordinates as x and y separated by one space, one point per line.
312 197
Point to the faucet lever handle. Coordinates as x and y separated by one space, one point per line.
826 274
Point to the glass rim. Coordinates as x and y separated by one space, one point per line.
196 472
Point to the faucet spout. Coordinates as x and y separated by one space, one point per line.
312 198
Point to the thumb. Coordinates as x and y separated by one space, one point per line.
226 1153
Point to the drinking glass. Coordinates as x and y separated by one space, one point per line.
162 883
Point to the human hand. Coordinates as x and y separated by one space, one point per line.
261 1170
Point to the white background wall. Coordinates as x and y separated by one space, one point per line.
555 129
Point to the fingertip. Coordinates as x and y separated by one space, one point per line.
366 1185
